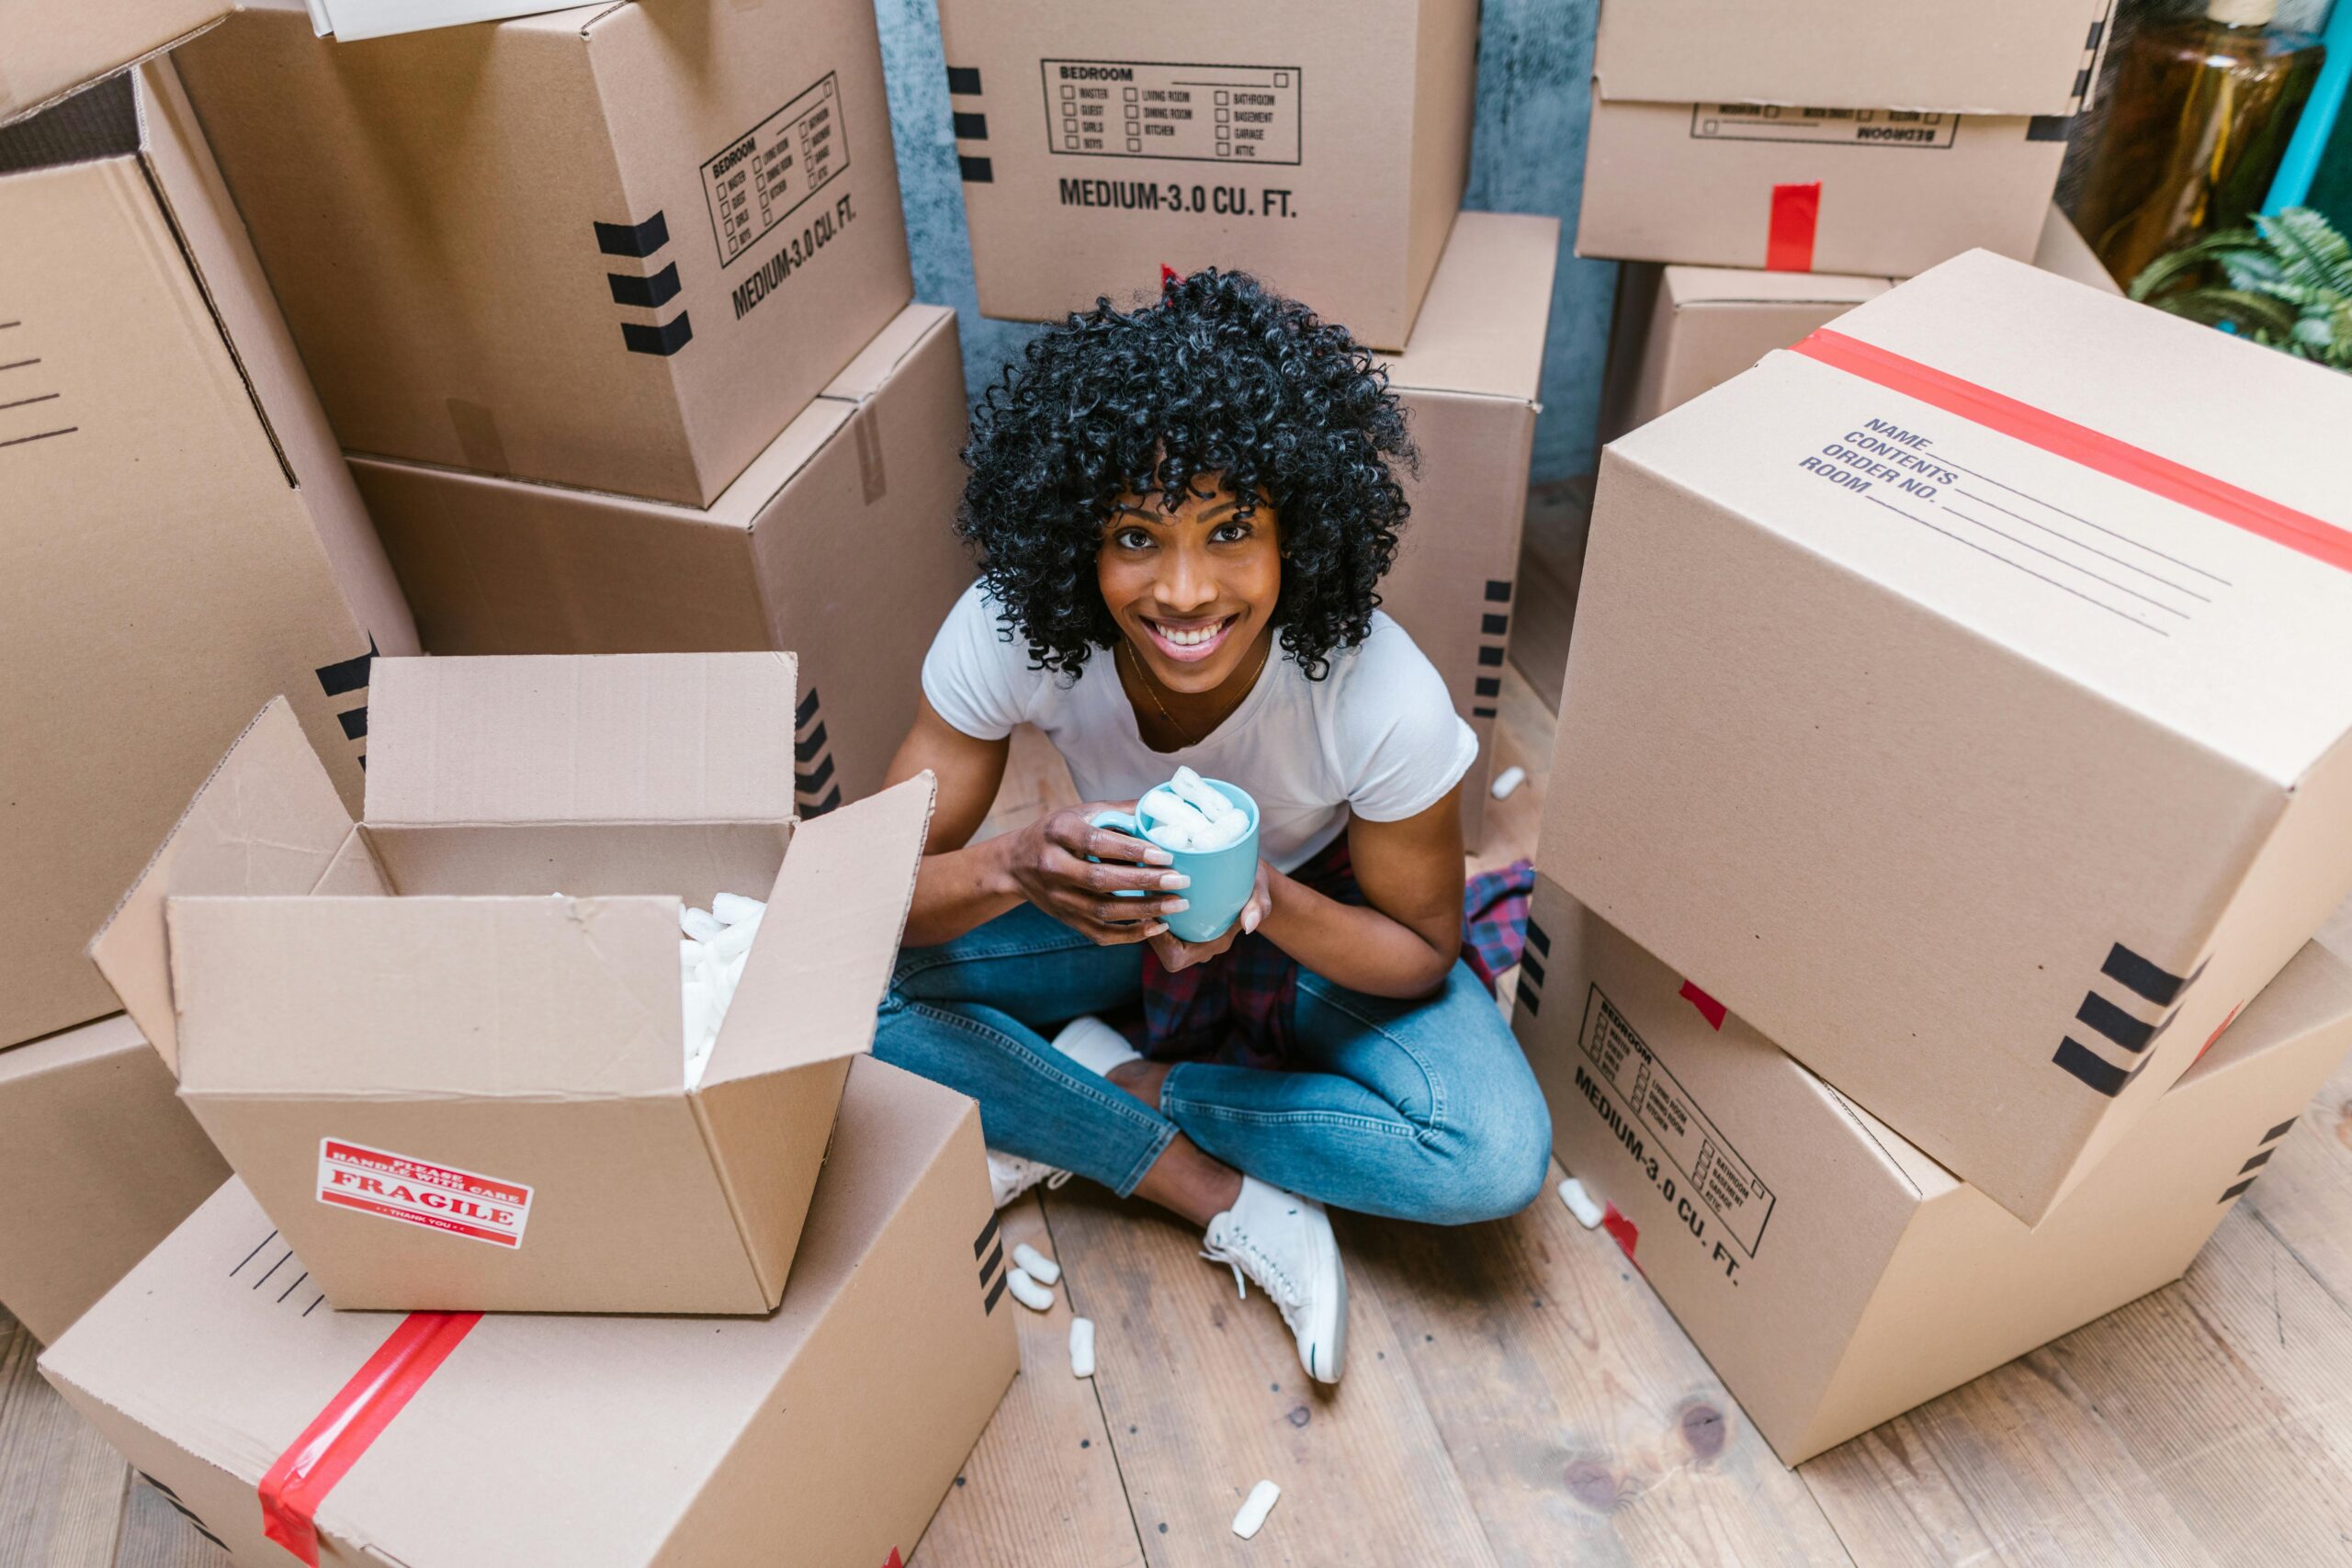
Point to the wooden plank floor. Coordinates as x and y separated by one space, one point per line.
1517 1395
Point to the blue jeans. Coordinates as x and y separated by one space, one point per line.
1417 1110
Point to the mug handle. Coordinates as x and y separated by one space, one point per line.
1118 822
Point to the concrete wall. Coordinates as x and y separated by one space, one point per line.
1535 67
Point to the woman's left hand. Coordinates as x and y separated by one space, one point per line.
1175 954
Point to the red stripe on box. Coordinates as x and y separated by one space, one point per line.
2219 1030
1796 214
1625 1232
2218 499
328 1448
1709 1009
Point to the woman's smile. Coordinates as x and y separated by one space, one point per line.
1192 640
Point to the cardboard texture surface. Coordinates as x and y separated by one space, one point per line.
1998 57
1833 1273
99 1162
1830 135
1468 386
1322 146
445 1046
1680 330
144 359
1984 781
842 524
1865 191
833 1426
617 247
46 51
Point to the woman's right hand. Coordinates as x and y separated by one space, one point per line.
1048 863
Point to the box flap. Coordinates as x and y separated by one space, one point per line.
619 738
824 952
427 997
1689 285
2011 57
2312 993
1472 336
879 360
2153 509
46 51
267 820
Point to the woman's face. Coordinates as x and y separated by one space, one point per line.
1192 589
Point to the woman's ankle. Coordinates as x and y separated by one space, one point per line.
1141 1079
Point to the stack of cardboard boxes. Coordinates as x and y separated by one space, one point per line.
428 1013
626 361
1324 148
1962 703
1762 169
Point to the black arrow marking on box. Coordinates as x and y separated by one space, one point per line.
348 675
811 782
2091 1067
2132 1033
2145 977
652 292
976 171
664 340
971 126
963 81
633 239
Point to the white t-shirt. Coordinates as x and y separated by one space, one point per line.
1377 736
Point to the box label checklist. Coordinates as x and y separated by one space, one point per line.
763 175
1701 1169
420 1192
1855 128
1135 109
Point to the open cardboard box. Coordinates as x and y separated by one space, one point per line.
1965 696
1872 137
444 1047
1833 1273
824 1433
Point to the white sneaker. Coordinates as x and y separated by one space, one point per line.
1285 1242
1010 1176
1094 1045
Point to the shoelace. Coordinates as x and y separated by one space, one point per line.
1275 1279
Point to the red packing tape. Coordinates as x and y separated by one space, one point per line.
1709 1009
1796 214
354 1419
2136 466
1623 1230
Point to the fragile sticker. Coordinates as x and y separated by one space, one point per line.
420 1192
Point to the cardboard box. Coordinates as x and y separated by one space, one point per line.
842 524
824 1433
1971 704
184 540
444 1047
99 1162
616 246
1323 146
1468 384
46 51
1680 330
1833 1273
1831 135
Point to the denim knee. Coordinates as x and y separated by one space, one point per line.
1498 1167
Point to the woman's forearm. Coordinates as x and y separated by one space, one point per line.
956 890
1353 945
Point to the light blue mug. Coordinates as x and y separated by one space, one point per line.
1222 879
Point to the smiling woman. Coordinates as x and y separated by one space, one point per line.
1182 513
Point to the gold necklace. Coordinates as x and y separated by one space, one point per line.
1151 687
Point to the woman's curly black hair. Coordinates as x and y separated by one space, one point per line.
1221 377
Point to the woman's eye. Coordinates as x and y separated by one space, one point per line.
1230 533
1132 539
